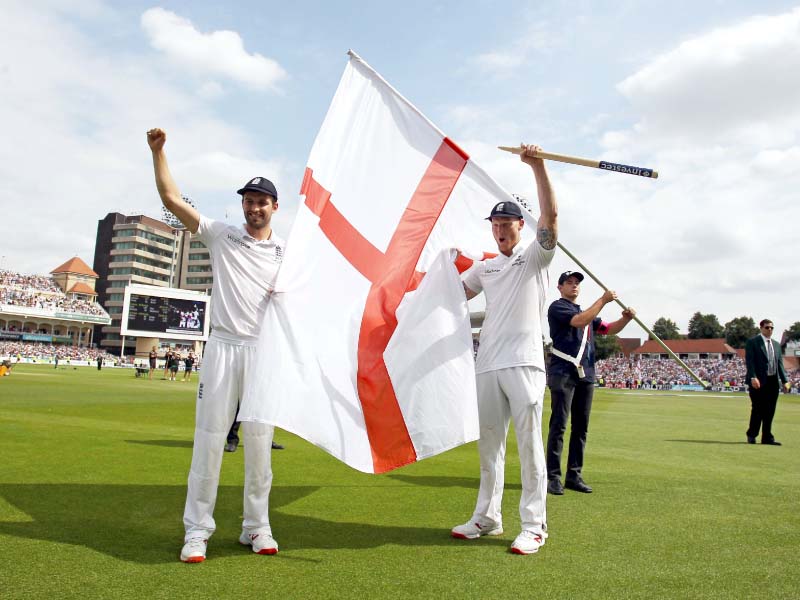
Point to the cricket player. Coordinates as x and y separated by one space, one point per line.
510 363
245 261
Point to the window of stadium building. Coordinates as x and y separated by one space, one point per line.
117 284
142 247
113 310
199 256
139 272
196 244
116 297
141 260
155 238
199 280
143 234
198 268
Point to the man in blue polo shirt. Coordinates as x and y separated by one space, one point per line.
570 376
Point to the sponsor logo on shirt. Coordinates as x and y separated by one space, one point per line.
279 253
491 270
518 262
238 241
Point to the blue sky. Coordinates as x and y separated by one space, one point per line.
705 92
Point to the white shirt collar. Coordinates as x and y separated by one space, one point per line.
272 237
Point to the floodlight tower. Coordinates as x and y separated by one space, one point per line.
170 219
177 227
521 201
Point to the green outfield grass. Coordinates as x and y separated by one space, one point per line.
93 468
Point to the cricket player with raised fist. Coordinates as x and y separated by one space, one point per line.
245 261
510 363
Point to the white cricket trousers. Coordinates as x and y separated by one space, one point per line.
518 393
225 362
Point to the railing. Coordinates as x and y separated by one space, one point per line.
52 313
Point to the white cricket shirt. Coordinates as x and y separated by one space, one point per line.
514 287
244 275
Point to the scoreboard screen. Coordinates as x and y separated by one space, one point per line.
151 311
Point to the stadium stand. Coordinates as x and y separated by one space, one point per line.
58 310
41 352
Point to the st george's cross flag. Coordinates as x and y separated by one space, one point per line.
366 347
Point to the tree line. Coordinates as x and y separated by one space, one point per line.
705 327
701 327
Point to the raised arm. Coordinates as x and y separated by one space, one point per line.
618 325
583 318
547 227
167 188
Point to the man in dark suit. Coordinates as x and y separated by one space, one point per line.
765 375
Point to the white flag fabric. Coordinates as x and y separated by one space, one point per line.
366 348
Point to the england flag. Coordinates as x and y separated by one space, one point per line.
366 347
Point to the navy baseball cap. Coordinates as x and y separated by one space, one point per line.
261 185
505 209
567 274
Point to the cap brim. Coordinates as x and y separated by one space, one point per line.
576 275
257 190
490 217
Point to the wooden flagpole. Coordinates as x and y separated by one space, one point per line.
586 162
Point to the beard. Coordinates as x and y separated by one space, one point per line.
256 222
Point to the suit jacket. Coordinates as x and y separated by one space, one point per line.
755 356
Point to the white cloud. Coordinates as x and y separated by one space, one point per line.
211 90
219 53
719 117
775 163
75 140
538 38
738 82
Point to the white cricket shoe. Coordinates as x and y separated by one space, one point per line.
194 550
262 543
527 542
472 530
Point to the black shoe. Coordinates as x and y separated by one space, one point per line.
555 488
231 447
276 446
578 485
771 443
751 440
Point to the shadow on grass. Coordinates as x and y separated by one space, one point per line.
707 442
470 483
142 524
164 443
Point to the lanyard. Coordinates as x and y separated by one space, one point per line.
575 360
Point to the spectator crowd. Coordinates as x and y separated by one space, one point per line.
43 352
11 279
629 373
37 291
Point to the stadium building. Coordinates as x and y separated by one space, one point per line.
59 310
144 250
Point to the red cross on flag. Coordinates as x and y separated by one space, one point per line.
366 347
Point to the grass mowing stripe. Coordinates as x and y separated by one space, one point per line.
92 486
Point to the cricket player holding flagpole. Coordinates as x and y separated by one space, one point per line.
510 368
